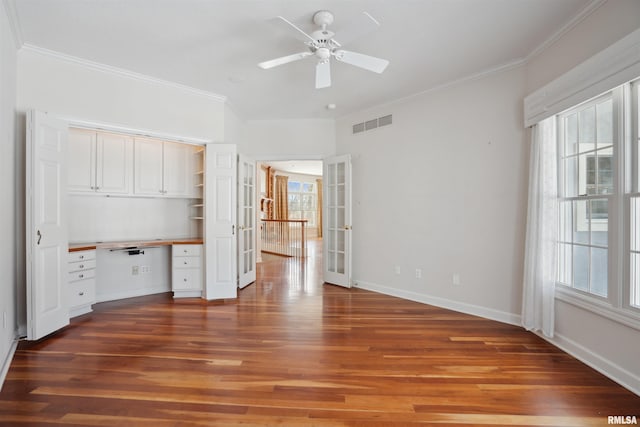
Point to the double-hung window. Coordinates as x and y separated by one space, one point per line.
599 203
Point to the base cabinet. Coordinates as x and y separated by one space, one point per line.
81 286
186 271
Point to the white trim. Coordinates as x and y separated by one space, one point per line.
613 66
475 310
108 69
607 368
598 307
12 16
111 127
6 364
566 28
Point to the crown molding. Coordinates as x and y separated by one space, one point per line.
566 28
9 7
120 72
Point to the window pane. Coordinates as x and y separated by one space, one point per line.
571 177
581 267
581 222
564 265
294 186
583 174
635 279
605 171
599 263
599 223
308 202
307 187
571 134
587 129
605 122
635 224
566 222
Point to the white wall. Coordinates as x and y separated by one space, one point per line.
8 176
609 346
301 139
443 189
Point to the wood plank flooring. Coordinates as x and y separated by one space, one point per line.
292 351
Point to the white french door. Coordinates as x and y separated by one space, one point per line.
336 207
220 221
46 231
246 221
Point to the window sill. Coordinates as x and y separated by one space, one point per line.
627 317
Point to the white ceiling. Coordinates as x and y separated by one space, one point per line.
302 167
214 45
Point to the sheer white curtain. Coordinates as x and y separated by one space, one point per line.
542 228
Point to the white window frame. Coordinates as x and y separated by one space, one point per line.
626 159
301 180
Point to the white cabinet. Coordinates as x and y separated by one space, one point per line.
100 162
82 282
186 270
163 168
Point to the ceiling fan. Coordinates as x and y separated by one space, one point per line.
322 44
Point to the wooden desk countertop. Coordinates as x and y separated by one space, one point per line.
75 247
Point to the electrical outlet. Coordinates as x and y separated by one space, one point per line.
135 270
418 273
456 278
397 270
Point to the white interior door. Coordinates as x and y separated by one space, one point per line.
336 208
47 242
220 221
246 221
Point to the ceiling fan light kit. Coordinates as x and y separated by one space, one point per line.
323 46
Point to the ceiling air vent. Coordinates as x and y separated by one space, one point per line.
384 121
373 124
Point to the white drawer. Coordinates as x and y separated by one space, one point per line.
82 265
82 293
186 262
81 275
183 279
82 255
186 250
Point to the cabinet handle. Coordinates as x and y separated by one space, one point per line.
185 251
39 234
81 257
81 293
81 265
81 276
185 263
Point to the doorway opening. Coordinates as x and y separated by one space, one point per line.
290 210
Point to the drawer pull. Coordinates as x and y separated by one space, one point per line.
81 276
185 251
185 263
81 293
185 280
81 265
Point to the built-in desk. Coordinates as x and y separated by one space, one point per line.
98 271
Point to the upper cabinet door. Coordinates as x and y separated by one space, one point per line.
178 166
114 163
148 167
82 160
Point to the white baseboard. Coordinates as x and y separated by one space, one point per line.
7 362
627 379
476 310
112 296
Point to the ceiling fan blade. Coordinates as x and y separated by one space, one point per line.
356 28
291 29
283 60
323 74
367 62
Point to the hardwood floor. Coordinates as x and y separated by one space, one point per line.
292 351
